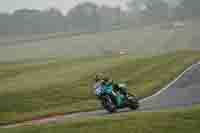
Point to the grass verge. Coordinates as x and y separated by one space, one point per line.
176 121
31 90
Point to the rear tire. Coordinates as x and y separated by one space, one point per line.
133 102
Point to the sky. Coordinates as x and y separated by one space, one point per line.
63 5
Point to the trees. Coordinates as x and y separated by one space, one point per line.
84 17
154 8
188 8
157 8
111 18
26 21
26 12
136 6
53 12
4 21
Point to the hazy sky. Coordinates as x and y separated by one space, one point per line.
64 5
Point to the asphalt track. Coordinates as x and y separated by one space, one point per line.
184 91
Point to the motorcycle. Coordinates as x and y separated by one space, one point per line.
115 97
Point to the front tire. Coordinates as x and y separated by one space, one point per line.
109 105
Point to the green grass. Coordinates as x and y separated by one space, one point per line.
35 89
176 121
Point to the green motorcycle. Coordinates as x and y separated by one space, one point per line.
115 97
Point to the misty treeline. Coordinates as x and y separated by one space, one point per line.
88 17
85 17
162 8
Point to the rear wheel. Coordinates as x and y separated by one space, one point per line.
133 102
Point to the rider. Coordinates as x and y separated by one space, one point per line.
98 79
116 87
103 83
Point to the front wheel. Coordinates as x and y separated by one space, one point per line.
108 104
133 102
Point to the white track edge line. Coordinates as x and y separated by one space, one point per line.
171 83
